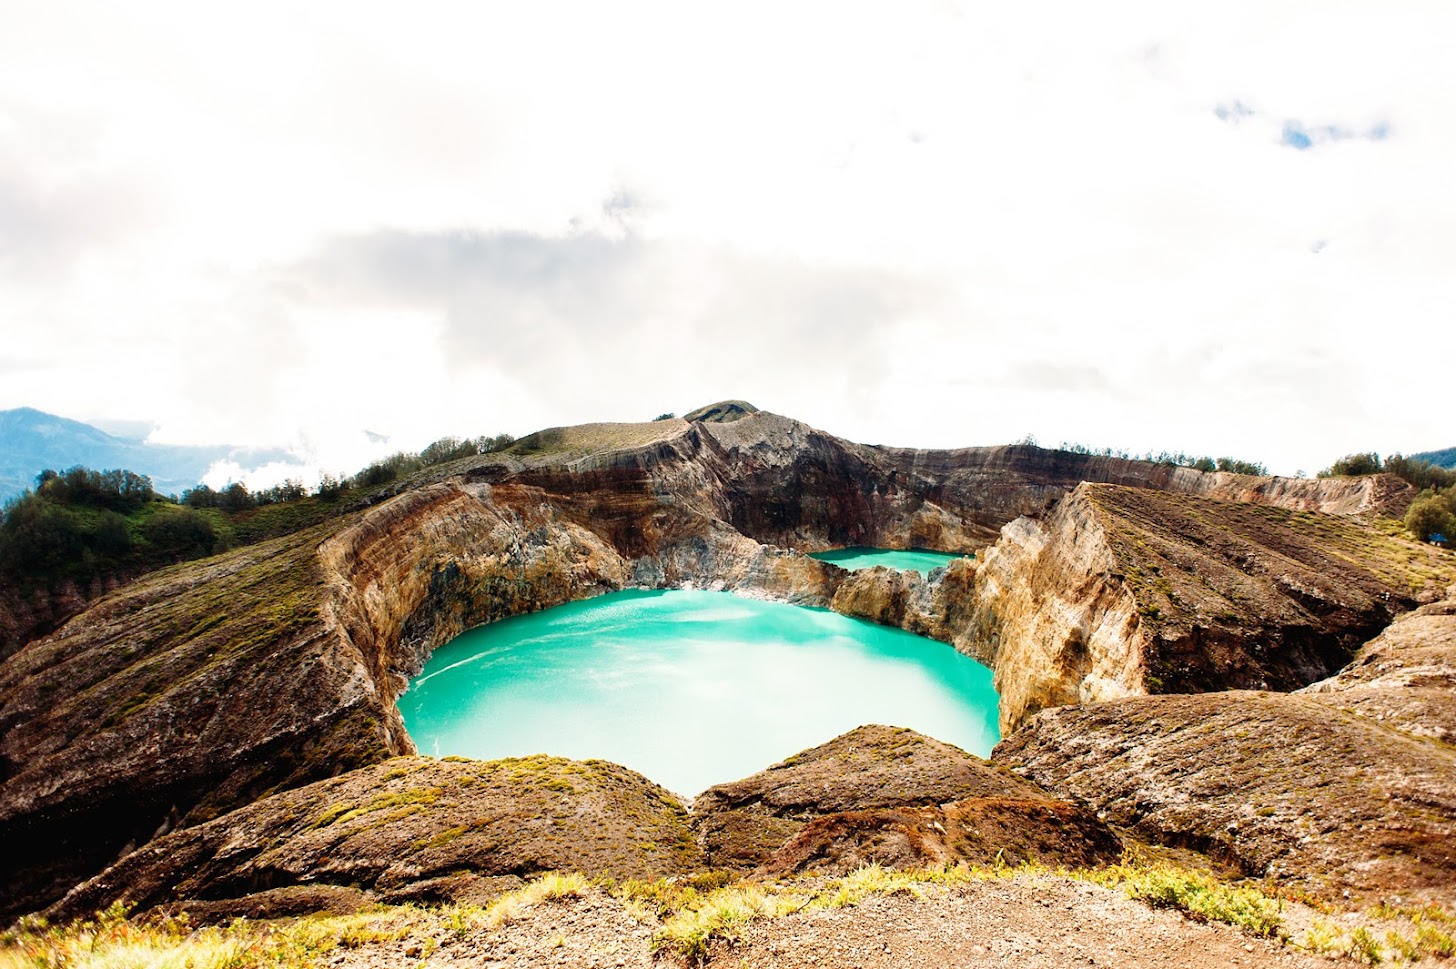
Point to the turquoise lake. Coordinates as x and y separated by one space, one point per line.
917 560
689 688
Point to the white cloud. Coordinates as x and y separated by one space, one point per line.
931 224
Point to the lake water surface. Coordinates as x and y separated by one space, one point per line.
689 688
915 559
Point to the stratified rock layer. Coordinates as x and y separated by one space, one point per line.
414 829
1122 591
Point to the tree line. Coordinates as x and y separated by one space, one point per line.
1433 513
82 525
1174 458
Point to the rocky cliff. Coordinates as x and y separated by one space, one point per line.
1119 591
204 687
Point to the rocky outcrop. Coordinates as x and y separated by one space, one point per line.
744 824
207 686
1287 787
411 829
204 687
25 616
1405 678
787 484
1121 591
976 831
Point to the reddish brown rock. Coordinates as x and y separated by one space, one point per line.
976 831
743 822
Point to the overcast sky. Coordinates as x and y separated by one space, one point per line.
1222 227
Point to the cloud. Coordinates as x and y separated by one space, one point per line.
1302 137
949 226
656 322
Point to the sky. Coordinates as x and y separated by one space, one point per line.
346 228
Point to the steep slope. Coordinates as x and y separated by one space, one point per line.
1122 591
203 687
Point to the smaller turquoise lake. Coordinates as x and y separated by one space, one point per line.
915 559
689 688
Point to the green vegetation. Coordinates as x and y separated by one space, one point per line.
81 525
692 913
112 941
1433 513
1421 474
95 528
1434 510
693 918
1172 458
1203 897
1445 458
665 416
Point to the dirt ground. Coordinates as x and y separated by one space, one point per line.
1032 922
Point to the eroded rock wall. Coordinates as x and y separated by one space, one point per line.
1121 591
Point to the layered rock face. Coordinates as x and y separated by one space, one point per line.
204 687
1121 591
788 484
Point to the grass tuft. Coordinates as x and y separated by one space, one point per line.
549 887
113 941
1202 896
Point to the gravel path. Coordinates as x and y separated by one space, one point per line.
1032 922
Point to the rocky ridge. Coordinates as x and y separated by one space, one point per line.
421 829
205 687
412 829
1120 591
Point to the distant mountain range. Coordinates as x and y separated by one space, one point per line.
1444 459
32 440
